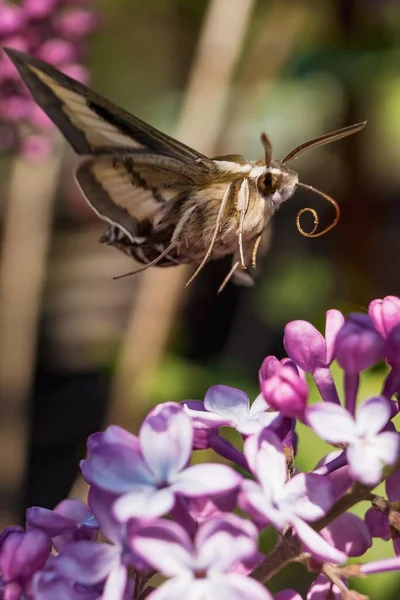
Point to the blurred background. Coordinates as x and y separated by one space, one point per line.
79 350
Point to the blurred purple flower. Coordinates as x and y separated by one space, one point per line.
54 31
71 520
50 585
206 567
368 448
148 480
283 503
21 555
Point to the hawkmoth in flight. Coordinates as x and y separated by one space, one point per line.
166 203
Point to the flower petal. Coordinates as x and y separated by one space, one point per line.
331 422
87 562
225 540
237 587
204 479
365 465
373 415
229 402
116 468
101 503
254 501
259 405
178 587
23 553
309 496
48 521
115 586
164 545
166 438
288 595
387 445
334 322
348 533
144 503
316 544
48 585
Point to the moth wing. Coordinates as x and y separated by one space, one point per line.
128 189
90 123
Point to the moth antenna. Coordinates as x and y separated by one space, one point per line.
266 142
228 277
312 234
150 264
327 138
255 250
243 204
214 237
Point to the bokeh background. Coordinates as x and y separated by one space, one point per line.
79 350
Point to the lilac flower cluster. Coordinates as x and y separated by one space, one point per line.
55 31
152 511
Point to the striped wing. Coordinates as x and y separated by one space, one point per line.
90 123
128 189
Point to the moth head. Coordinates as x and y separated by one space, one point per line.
276 183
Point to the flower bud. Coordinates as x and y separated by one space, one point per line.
385 314
305 345
358 345
12 19
286 392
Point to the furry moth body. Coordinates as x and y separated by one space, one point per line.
166 203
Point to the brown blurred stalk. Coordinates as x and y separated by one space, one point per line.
161 292
27 229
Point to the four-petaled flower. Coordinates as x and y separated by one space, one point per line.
368 447
286 503
150 477
206 568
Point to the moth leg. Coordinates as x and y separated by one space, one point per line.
214 237
241 224
255 250
150 264
228 277
182 222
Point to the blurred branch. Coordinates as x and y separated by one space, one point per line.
161 291
27 231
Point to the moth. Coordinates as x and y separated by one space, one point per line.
166 203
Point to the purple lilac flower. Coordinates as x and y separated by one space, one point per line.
349 534
70 520
205 568
230 407
148 479
358 347
21 555
385 314
286 392
368 447
284 503
55 31
313 353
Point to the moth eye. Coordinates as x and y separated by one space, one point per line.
267 183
